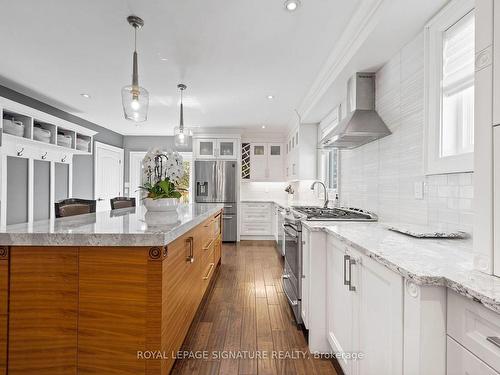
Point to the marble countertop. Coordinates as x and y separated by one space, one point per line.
281 202
443 262
123 227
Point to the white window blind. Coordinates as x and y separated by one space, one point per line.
457 96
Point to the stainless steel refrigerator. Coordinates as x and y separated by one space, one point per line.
215 182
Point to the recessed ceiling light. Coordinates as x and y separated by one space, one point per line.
86 96
270 97
263 126
163 59
292 5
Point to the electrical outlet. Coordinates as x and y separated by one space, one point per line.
418 190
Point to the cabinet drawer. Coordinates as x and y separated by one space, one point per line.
255 207
260 212
471 324
256 228
459 361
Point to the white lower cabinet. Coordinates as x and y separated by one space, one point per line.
477 330
364 312
256 219
460 361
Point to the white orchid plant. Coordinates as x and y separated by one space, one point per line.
162 172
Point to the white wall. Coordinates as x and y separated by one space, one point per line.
380 176
263 190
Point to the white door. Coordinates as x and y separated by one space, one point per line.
258 161
379 292
108 174
275 161
306 276
339 305
135 175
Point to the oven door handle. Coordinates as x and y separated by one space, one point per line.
294 236
292 302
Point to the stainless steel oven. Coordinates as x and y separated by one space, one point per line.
292 275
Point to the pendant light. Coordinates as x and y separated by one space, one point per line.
135 99
181 134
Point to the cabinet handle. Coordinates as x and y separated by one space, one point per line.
190 257
209 271
346 258
494 340
209 245
351 287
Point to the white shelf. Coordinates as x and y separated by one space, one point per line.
27 146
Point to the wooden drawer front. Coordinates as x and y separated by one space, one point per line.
471 324
218 249
208 267
256 228
459 361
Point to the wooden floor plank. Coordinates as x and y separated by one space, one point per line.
245 315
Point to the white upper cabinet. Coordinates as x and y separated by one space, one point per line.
216 148
301 157
262 161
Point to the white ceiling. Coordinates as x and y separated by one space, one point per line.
230 53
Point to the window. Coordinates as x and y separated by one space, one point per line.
449 83
329 168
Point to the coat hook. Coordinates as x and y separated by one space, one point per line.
63 159
20 153
44 156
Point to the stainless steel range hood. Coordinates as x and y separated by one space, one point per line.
362 123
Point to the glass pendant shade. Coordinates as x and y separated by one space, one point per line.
135 101
182 137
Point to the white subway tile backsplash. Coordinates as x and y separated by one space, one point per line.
381 175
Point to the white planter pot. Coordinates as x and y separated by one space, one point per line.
161 205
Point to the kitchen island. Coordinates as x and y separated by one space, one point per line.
106 293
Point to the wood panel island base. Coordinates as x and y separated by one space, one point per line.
103 309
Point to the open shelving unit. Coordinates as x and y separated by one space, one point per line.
36 161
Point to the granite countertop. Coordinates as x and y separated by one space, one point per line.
122 227
442 262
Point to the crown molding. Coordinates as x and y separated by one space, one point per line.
360 27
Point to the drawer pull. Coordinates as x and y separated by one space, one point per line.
494 340
209 245
209 271
190 257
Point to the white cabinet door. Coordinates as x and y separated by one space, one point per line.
305 276
275 161
496 200
380 295
459 361
339 306
258 161
485 25
227 149
205 148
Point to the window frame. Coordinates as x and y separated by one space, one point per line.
433 70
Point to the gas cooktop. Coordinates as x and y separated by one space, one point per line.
335 214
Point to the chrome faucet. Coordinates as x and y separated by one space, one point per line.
326 193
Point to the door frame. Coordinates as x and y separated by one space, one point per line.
133 155
105 146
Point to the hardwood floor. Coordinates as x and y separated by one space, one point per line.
245 325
